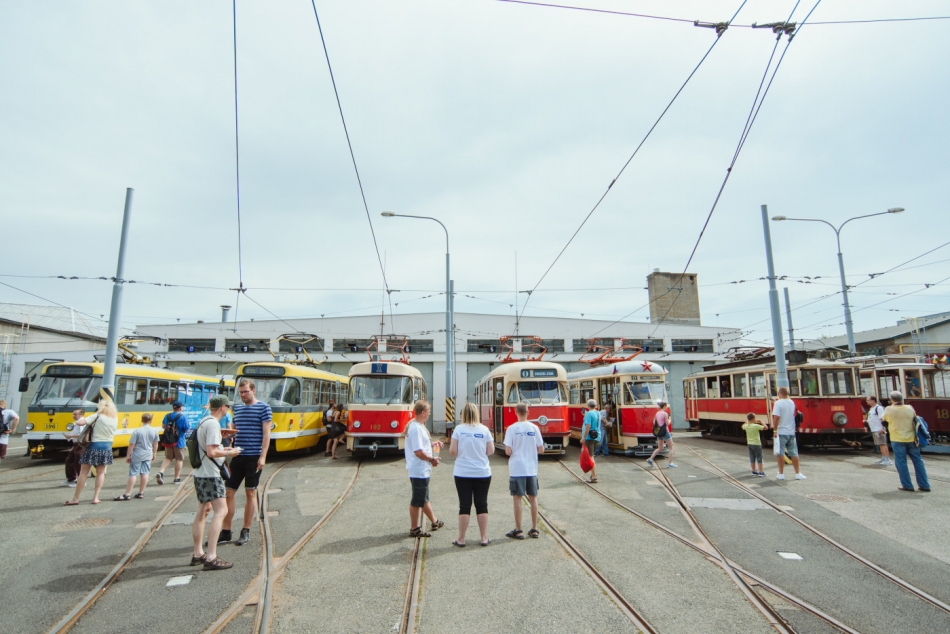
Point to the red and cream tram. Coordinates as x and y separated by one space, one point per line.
381 396
540 384
924 383
632 390
719 398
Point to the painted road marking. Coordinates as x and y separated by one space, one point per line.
793 556
184 580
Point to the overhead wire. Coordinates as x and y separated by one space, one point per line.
629 160
237 169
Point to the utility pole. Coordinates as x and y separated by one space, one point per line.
107 390
782 373
788 316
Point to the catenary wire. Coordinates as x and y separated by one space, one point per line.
237 167
627 163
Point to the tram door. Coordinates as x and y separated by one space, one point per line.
608 396
499 410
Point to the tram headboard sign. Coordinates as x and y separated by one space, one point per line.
379 368
69 370
538 374
262 370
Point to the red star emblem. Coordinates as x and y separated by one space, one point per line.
646 366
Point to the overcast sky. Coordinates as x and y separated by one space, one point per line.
505 121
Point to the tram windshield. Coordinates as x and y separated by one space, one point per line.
386 390
537 392
644 392
282 392
63 391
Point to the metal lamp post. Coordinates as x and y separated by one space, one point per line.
449 321
844 285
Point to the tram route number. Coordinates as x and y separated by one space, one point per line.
50 425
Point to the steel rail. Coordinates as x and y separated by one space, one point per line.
90 599
879 570
408 623
279 564
638 620
704 551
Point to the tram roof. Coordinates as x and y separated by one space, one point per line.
389 368
624 367
766 365
515 371
289 369
131 369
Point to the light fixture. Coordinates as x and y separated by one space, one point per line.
387 214
778 218
895 210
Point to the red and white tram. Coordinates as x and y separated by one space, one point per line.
381 396
924 384
719 398
632 390
540 384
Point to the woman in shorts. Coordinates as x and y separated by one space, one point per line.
337 429
99 452
663 420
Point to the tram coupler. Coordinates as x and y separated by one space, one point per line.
36 451
374 448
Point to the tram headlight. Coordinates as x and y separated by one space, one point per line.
29 427
840 419
70 426
356 425
543 420
394 424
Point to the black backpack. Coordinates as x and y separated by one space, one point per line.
799 419
4 427
170 434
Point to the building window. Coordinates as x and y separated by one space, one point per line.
488 346
692 345
872 351
246 345
581 345
191 345
351 345
314 345
648 345
415 345
553 345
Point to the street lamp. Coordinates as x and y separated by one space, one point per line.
449 319
844 284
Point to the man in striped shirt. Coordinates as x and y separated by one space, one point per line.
252 420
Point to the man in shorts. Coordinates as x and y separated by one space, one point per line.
209 487
783 422
252 420
8 421
523 444
174 452
876 425
420 458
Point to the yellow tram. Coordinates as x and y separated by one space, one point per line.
140 389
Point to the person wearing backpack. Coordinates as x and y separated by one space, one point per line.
901 420
209 485
175 427
664 437
8 423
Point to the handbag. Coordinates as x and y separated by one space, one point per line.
922 433
224 471
85 438
658 430
587 463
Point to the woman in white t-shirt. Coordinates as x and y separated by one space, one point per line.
472 443
99 453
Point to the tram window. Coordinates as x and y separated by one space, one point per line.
837 382
757 384
887 381
173 393
640 392
306 393
793 382
158 392
536 392
809 382
499 394
64 391
700 388
867 384
725 387
292 392
773 384
416 390
739 385
325 387
912 384
575 394
939 382
125 391
712 386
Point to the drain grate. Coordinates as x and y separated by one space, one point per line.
824 497
89 522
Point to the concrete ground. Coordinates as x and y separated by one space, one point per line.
352 576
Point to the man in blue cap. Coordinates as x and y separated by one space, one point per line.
175 429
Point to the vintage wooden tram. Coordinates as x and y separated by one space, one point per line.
540 384
825 392
381 397
924 382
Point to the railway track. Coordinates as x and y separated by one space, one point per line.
260 590
90 599
707 549
29 477
721 474
407 625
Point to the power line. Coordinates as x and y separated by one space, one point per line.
237 153
622 169
353 158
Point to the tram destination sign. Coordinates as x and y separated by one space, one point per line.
379 368
69 370
262 370
546 374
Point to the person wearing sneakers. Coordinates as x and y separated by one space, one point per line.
754 441
175 426
420 455
590 435
666 436
783 424
209 486
876 425
252 420
523 443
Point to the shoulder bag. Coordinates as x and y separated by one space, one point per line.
224 471
85 438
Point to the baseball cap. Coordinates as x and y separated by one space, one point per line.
178 405
218 401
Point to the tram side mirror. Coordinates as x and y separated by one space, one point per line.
24 383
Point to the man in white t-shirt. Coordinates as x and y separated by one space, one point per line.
420 458
783 419
523 443
876 425
8 421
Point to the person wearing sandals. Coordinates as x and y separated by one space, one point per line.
99 452
209 485
420 459
663 420
337 430
142 447
590 433
523 444
471 445
901 422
